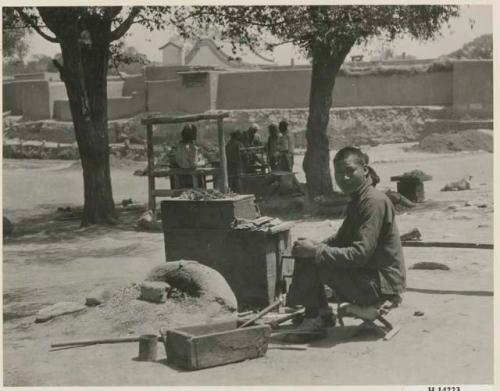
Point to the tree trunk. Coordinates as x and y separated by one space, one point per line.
85 58
317 158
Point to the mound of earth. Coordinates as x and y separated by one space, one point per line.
125 314
467 140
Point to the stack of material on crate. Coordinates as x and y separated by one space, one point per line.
205 195
264 223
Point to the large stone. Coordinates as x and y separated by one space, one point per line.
154 291
97 296
58 309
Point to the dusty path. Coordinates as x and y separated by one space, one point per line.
51 265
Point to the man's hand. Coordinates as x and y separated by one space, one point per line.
304 248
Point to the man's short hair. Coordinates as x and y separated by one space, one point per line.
236 134
345 152
254 127
283 125
189 132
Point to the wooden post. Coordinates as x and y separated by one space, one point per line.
223 160
151 163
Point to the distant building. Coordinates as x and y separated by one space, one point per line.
172 53
206 52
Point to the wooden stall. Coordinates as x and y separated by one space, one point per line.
155 172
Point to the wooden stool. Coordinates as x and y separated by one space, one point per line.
370 315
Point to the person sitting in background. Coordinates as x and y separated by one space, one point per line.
234 160
188 155
251 139
272 147
285 147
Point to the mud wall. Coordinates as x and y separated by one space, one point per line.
290 89
468 86
473 85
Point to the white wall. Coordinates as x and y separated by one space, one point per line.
172 55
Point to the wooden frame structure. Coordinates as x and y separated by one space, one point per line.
152 173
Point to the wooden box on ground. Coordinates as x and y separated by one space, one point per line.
413 190
218 213
203 346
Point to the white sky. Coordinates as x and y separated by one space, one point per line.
452 38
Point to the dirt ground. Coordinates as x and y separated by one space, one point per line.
55 260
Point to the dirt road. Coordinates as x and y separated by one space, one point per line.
451 343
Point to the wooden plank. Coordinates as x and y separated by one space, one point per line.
209 328
261 220
162 172
281 227
151 163
179 348
153 120
484 246
224 184
230 346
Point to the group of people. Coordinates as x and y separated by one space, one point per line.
246 152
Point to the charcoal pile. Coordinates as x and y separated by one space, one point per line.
205 195
416 174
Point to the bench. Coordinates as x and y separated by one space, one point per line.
369 315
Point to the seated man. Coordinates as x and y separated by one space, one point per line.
188 155
251 139
363 263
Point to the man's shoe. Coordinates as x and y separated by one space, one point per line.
310 329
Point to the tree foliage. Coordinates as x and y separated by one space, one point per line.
126 59
313 27
479 48
14 45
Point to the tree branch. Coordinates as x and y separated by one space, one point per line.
60 68
26 19
113 11
123 28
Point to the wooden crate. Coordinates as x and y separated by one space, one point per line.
248 260
178 213
203 346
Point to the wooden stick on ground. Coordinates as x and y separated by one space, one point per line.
94 341
410 243
269 308
276 322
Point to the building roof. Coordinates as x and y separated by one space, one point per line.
171 43
241 57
